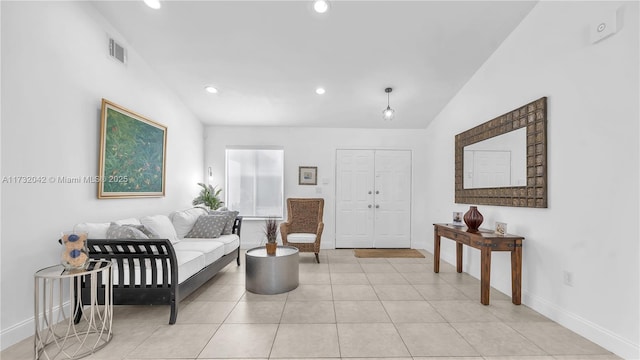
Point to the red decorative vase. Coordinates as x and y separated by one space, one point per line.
473 218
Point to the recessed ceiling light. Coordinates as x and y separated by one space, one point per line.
320 91
154 4
321 6
211 89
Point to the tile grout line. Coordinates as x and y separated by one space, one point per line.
335 316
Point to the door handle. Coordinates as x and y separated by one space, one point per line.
369 206
369 192
377 206
377 192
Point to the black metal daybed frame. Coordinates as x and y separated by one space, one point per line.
159 256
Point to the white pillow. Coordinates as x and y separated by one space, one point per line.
130 221
161 225
184 220
93 230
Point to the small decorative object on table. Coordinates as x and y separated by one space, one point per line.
271 232
74 255
501 228
473 218
457 218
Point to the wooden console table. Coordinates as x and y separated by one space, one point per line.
487 241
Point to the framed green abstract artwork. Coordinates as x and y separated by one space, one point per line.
132 154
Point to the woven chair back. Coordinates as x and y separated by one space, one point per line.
304 215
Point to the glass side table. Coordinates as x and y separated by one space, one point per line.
67 327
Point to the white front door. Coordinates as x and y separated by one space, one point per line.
354 198
392 199
373 199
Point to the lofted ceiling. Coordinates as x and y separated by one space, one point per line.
266 58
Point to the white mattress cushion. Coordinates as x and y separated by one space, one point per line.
93 230
229 242
189 263
301 238
184 220
161 225
212 250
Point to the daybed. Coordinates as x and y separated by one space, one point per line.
145 271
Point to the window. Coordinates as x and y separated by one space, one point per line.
255 181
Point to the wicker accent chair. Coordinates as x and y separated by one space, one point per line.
303 228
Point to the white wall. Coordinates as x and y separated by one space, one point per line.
317 147
55 70
590 228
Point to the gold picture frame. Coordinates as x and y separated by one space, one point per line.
132 154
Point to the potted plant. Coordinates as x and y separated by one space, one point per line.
209 196
271 232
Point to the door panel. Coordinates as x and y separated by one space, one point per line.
392 227
354 218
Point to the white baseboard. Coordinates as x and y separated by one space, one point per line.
16 333
24 329
622 347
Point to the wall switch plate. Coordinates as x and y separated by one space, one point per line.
604 27
318 190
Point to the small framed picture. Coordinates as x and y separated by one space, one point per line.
501 228
308 175
457 218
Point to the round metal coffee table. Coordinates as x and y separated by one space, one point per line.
272 274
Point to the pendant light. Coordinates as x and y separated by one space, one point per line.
388 114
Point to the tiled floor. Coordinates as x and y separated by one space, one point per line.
345 307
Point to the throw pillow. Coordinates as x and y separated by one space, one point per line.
93 230
129 221
230 218
128 231
162 226
145 230
184 220
207 227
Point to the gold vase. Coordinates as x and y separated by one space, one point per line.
271 248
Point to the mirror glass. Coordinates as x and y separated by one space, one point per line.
500 161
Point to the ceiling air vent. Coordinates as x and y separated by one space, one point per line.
117 51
